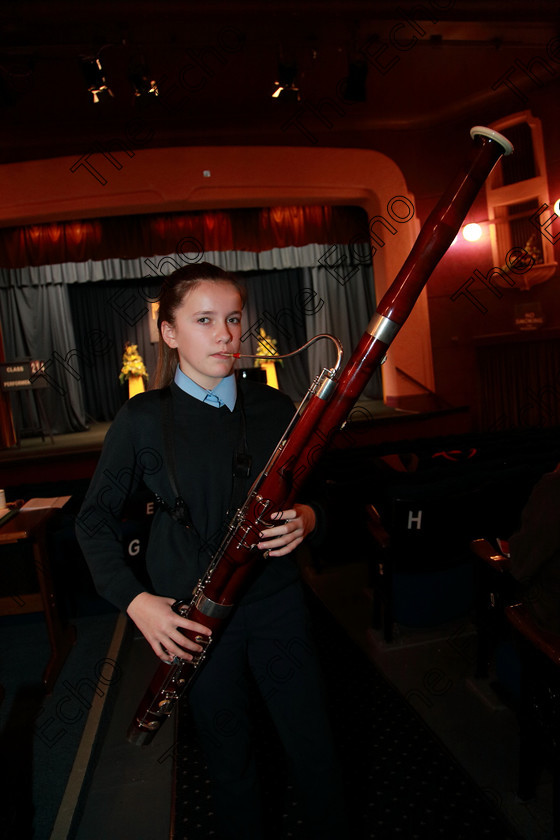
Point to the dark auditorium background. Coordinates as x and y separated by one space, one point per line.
137 136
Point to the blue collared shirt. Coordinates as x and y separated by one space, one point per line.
225 393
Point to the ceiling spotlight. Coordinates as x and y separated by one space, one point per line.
95 79
354 85
144 87
286 87
7 93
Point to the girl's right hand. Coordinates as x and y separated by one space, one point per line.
155 619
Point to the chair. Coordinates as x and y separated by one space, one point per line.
420 563
539 706
494 589
29 527
380 568
539 690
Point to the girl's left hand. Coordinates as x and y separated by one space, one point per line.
292 528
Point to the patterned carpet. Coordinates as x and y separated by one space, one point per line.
400 780
40 734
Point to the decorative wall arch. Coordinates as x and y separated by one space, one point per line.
125 180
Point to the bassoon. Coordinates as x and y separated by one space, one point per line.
321 414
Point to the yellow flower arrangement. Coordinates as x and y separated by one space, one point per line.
267 347
132 364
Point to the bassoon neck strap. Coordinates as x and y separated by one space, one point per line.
241 466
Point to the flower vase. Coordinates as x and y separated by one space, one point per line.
135 385
270 370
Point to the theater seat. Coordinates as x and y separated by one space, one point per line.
380 571
538 650
421 569
494 590
539 706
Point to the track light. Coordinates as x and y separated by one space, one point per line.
285 87
144 87
95 79
354 86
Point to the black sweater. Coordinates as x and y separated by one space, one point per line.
205 441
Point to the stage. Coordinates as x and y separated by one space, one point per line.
73 457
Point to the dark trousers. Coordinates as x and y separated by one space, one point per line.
271 638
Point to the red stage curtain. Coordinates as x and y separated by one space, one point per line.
127 237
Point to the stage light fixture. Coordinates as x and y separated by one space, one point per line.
144 87
286 87
95 79
139 77
354 87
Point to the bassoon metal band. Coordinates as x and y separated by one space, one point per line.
210 608
383 328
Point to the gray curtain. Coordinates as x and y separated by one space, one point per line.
345 313
92 271
276 304
106 316
37 324
295 293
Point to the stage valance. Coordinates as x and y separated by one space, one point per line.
338 257
131 237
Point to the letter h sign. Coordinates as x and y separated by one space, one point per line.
414 520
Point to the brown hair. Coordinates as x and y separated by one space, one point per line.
173 292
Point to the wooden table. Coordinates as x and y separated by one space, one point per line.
31 525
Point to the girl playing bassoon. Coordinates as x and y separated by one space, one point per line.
197 441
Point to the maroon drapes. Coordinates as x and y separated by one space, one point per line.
519 380
127 237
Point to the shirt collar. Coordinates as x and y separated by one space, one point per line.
225 392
